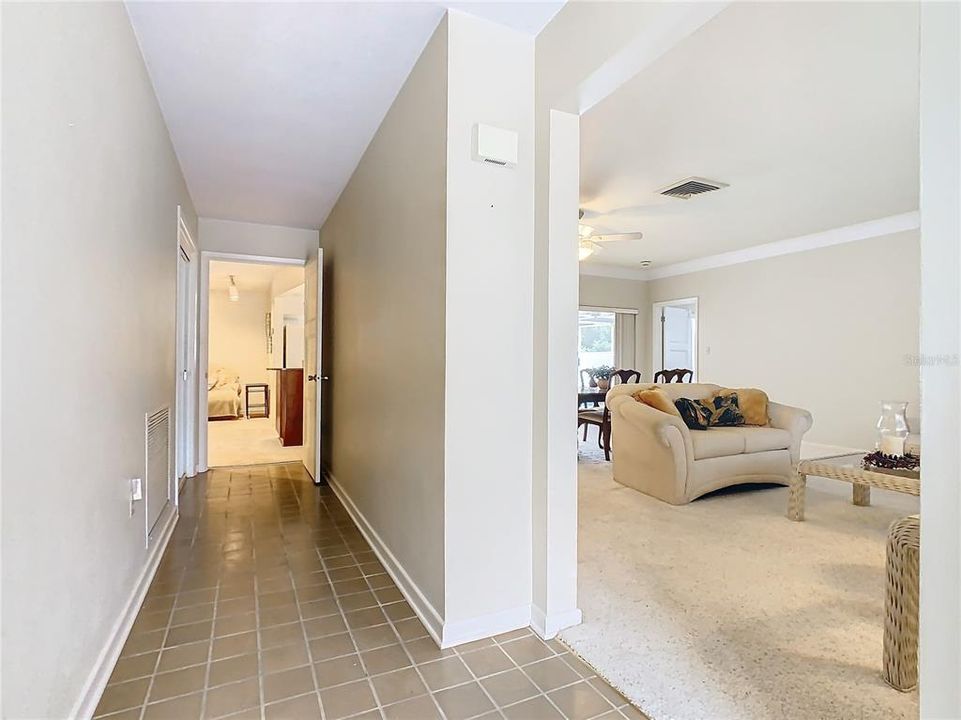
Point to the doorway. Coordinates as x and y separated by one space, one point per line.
254 359
674 336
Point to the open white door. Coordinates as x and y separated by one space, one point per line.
313 307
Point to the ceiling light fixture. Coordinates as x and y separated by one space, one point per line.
232 292
585 248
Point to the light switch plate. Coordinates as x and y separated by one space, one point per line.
136 489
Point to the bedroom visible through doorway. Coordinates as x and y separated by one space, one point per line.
255 363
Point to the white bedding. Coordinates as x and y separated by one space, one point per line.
223 395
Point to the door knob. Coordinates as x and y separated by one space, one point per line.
313 378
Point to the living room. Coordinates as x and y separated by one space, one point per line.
760 182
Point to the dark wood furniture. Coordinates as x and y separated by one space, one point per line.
677 375
290 405
262 407
601 417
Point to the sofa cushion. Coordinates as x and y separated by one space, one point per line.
694 413
718 442
751 402
657 399
759 439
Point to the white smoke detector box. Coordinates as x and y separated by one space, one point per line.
495 145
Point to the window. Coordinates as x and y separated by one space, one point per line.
595 339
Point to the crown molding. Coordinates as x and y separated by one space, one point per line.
611 271
835 236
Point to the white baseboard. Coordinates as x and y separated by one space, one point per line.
547 626
416 599
464 631
97 680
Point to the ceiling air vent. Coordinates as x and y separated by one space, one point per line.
691 186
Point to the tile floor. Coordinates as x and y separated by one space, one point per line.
270 604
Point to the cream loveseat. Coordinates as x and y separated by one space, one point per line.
656 453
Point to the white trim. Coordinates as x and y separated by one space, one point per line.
203 327
477 628
422 607
836 236
97 679
547 626
186 245
611 271
656 337
602 308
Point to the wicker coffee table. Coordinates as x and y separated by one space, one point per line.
846 468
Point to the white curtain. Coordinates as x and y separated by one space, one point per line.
625 341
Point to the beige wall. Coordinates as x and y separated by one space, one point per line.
90 193
384 278
237 337
596 291
830 330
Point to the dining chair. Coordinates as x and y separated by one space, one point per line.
677 375
601 417
626 376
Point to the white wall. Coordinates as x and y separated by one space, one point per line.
833 330
384 260
91 187
229 236
489 245
940 644
237 337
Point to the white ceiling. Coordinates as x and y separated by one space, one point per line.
271 105
808 110
251 277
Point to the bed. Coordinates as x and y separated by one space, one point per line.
223 395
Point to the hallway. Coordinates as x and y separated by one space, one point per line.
270 604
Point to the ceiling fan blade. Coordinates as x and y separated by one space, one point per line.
613 237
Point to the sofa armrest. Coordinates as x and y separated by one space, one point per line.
652 450
795 420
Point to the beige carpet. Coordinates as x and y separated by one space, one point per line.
726 609
247 442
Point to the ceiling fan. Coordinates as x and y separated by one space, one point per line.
589 240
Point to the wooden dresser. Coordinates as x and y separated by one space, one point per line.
290 405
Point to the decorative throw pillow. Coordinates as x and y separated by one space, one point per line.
724 410
695 414
752 404
657 399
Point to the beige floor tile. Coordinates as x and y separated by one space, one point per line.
228 699
339 670
398 685
357 601
188 707
192 614
281 635
424 650
331 646
143 642
365 618
330 625
178 682
551 674
345 700
463 701
235 624
385 659
123 696
410 629
578 665
527 650
487 661
422 708
233 669
284 657
610 694
304 707
231 645
509 687
537 708
444 673
136 666
375 637
579 701
288 683
399 611
188 634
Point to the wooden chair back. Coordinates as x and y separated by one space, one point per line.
678 375
626 376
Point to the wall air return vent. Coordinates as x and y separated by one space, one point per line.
688 187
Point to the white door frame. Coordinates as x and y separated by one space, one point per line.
656 333
204 332
185 426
